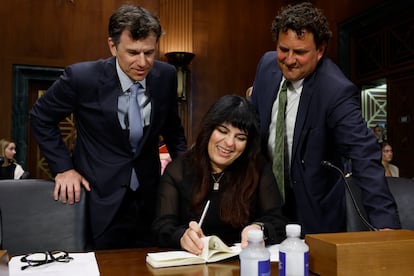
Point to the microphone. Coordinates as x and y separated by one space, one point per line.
328 164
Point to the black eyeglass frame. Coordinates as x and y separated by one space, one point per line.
50 257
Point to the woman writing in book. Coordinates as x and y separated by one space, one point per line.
225 167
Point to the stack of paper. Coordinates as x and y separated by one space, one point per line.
83 264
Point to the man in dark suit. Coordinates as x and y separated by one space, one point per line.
323 122
120 170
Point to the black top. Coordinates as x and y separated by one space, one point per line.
7 172
174 214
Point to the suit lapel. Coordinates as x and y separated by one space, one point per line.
268 100
108 94
303 110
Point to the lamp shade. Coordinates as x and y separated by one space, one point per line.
179 59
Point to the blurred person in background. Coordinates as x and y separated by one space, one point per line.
387 155
378 133
10 169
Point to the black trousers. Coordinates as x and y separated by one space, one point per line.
130 227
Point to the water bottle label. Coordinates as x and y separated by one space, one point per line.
264 268
306 259
255 268
295 264
282 264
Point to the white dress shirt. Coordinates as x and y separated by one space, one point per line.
123 99
294 91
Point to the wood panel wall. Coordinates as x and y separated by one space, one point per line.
52 33
229 37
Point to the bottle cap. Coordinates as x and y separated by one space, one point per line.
293 230
255 235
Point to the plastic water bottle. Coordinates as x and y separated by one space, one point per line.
293 253
255 258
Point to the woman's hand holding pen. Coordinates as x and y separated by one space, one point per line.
191 240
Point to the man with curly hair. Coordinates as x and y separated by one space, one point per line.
322 125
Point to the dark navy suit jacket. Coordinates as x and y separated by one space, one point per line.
102 153
329 126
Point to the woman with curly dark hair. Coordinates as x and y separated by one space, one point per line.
226 167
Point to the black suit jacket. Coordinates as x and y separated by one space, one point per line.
329 126
102 153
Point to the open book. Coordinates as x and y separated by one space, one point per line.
214 250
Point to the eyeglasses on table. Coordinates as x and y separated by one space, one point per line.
41 258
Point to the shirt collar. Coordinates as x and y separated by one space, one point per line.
126 82
295 86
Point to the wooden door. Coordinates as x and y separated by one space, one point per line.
400 110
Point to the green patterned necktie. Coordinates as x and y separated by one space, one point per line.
279 154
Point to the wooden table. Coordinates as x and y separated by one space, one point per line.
126 262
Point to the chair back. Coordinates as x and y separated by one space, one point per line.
402 190
31 221
354 222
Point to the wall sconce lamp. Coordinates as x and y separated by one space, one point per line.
181 60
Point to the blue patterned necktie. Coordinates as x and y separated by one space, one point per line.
279 154
135 126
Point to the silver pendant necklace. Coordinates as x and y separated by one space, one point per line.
216 184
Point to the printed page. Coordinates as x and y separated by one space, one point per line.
83 264
274 252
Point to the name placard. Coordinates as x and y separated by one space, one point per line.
362 253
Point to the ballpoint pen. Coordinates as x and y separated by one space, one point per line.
203 215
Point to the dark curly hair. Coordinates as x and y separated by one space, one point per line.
300 17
